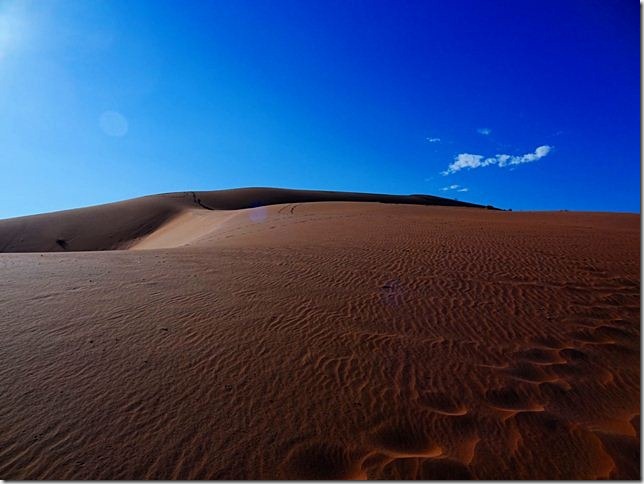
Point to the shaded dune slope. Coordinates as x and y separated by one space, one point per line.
120 225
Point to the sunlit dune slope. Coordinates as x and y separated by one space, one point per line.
323 339
120 225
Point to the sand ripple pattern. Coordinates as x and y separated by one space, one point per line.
330 340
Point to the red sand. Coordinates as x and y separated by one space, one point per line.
318 340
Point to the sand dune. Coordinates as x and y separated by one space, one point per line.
120 225
311 337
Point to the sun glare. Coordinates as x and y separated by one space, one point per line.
12 27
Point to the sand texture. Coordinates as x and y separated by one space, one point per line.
318 335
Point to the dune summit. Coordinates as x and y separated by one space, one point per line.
121 225
265 333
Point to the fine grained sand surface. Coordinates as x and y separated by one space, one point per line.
319 340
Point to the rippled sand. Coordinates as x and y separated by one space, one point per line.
320 340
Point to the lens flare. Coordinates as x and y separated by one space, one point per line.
113 123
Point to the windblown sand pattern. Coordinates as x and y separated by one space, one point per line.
318 339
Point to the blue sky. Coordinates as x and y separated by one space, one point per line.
523 105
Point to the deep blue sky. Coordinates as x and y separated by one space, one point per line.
102 101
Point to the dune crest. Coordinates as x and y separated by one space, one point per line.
121 225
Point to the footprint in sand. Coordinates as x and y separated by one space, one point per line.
614 333
546 342
529 372
573 355
442 404
443 469
405 437
318 460
425 469
539 356
512 399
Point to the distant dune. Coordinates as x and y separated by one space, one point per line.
265 333
120 225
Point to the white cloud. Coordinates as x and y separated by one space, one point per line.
539 153
484 131
458 188
502 160
451 187
433 140
467 160
464 160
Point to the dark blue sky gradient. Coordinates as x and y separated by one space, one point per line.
335 95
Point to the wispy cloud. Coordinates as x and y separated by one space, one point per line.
451 187
484 131
458 188
470 161
433 140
